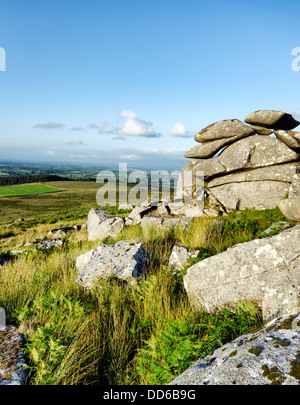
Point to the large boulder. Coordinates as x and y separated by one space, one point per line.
290 208
267 357
261 188
124 260
224 129
264 271
101 225
259 195
282 173
248 153
272 119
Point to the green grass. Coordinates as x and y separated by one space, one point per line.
28 189
143 334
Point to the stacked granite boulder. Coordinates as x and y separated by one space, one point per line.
247 164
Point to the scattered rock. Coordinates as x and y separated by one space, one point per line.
62 232
263 271
270 356
51 243
179 257
272 119
101 225
12 359
165 223
126 207
123 260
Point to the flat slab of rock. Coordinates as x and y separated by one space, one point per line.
101 225
12 359
287 138
272 119
282 173
209 149
263 271
248 153
123 260
224 129
267 357
262 130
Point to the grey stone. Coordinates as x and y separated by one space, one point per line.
268 356
163 209
282 173
289 140
259 195
290 208
101 225
188 210
162 223
126 207
262 130
12 359
223 129
248 153
275 228
272 119
51 243
294 190
138 212
263 271
209 149
256 151
261 188
124 260
179 257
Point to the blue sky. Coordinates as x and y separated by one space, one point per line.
108 81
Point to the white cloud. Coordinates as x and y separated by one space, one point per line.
180 131
137 127
50 153
127 114
49 125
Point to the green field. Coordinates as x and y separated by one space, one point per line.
28 189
